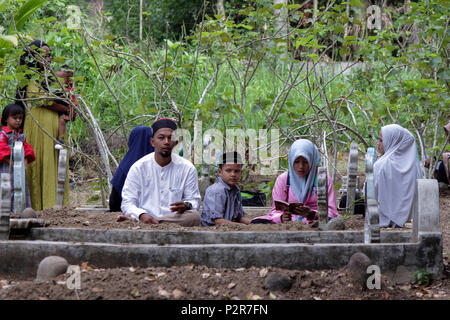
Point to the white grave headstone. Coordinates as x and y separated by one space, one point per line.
352 172
62 167
5 205
19 178
425 208
322 196
372 223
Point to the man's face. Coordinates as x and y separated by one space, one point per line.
230 173
162 142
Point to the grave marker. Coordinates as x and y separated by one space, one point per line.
62 167
352 172
322 197
5 205
19 178
204 181
425 208
372 219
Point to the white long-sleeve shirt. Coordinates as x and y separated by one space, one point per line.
151 188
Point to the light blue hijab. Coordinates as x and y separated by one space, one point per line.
301 187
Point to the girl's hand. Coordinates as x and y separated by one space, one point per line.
286 217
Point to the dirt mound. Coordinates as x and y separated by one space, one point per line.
202 283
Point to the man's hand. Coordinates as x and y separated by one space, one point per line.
179 207
285 217
148 219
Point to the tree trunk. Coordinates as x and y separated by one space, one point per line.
140 20
281 23
221 8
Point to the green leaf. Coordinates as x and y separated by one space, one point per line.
244 26
355 3
314 56
294 6
24 13
278 6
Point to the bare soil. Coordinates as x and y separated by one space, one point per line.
203 283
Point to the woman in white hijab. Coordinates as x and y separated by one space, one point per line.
395 175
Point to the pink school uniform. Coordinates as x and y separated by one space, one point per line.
279 192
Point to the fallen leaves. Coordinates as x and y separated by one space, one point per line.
231 285
135 293
251 296
213 292
385 294
86 267
163 292
177 294
205 275
263 272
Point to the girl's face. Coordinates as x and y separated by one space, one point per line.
301 166
13 122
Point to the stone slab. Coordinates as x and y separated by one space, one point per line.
21 258
206 237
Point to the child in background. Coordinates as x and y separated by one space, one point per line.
66 74
12 122
223 202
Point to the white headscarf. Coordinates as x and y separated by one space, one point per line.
395 175
301 187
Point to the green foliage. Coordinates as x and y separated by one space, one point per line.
163 19
400 79
422 277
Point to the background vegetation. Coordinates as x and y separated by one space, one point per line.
320 74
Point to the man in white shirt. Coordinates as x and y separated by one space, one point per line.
161 186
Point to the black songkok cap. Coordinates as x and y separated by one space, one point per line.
163 123
231 157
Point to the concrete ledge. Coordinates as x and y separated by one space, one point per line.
21 258
248 210
207 237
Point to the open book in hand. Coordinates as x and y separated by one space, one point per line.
285 206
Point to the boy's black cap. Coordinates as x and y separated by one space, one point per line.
231 157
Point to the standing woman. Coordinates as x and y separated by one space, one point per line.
41 174
139 145
395 175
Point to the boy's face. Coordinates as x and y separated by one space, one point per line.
230 173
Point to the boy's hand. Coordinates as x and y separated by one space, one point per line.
285 217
